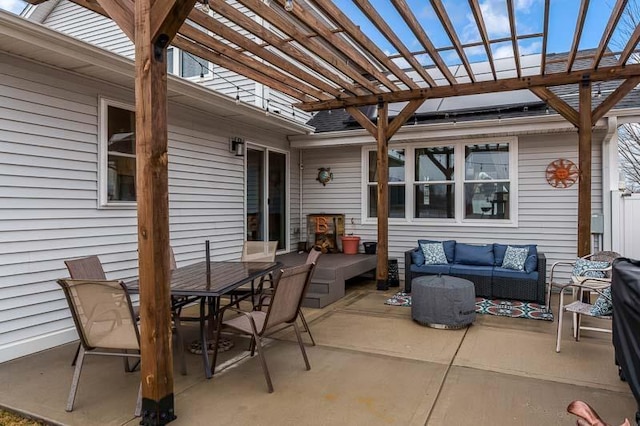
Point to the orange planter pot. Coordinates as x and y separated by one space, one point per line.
350 244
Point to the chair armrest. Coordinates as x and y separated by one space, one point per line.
555 265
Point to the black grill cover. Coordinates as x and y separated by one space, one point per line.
625 294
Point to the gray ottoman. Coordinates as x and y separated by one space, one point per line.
442 301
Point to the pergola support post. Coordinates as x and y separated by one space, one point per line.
382 167
584 165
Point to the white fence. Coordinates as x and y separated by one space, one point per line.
626 224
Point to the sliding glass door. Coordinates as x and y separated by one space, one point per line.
267 196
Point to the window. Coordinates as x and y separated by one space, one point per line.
396 183
118 148
434 187
186 65
454 182
486 181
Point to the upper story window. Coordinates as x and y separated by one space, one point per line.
118 153
455 182
186 65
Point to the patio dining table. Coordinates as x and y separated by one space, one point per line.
207 281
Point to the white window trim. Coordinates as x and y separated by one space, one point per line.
177 68
459 162
103 202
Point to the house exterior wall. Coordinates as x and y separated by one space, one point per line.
546 216
49 208
86 25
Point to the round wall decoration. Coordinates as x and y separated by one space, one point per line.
562 173
324 175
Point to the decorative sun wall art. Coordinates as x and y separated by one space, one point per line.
562 173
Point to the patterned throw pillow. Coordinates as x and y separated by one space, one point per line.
515 257
603 305
582 265
433 254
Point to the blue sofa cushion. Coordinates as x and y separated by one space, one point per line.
433 254
481 271
449 247
515 257
499 272
417 257
481 255
431 269
530 265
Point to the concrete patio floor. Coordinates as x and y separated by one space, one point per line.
372 366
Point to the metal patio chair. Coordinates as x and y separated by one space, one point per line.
105 322
289 288
84 268
578 308
600 256
254 251
312 259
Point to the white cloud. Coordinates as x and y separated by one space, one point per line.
506 50
14 6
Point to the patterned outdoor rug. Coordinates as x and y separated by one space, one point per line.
505 308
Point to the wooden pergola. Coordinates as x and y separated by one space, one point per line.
313 52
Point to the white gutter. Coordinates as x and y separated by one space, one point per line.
460 130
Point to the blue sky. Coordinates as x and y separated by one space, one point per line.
529 19
14 6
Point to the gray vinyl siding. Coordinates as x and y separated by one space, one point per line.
49 196
82 23
546 216
86 25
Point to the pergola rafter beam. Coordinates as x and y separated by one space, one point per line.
405 11
121 12
616 14
228 33
311 44
545 38
167 16
482 29
630 46
244 66
356 33
582 16
438 7
372 14
460 89
305 16
232 14
514 37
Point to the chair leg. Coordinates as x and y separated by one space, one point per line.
75 357
75 380
216 341
306 327
263 361
560 315
577 326
180 343
138 402
252 346
304 353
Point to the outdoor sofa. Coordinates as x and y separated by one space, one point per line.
483 265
